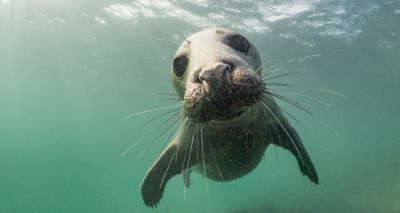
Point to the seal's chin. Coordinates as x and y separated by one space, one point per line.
230 116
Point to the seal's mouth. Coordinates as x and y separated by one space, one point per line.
230 116
204 108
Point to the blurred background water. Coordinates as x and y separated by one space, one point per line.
70 71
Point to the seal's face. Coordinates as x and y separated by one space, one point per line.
217 74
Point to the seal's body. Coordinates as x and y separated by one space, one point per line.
229 116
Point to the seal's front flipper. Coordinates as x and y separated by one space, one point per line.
157 176
288 138
168 164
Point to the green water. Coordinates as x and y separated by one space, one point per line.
70 71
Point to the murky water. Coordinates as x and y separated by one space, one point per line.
70 71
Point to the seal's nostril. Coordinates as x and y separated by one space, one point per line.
230 64
227 68
202 76
215 73
197 79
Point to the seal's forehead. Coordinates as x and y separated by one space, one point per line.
213 34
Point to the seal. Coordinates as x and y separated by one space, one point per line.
229 117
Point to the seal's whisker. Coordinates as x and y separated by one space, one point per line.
287 133
185 125
266 66
270 64
141 153
166 170
318 100
288 113
269 132
260 67
174 133
247 138
331 128
325 123
225 155
171 99
291 62
204 163
279 84
322 102
273 71
150 110
166 130
215 160
301 107
277 133
131 147
327 91
170 94
161 115
291 116
171 118
307 57
157 138
297 105
260 132
266 78
256 106
279 139
258 70
197 144
124 153
290 101
332 92
254 137
190 154
273 124
184 160
188 163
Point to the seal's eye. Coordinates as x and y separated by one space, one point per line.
238 42
179 65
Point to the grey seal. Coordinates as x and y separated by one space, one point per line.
229 115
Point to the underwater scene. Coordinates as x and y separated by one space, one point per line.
97 99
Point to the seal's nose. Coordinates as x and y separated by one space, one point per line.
216 75
216 81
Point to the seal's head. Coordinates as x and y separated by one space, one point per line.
217 74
